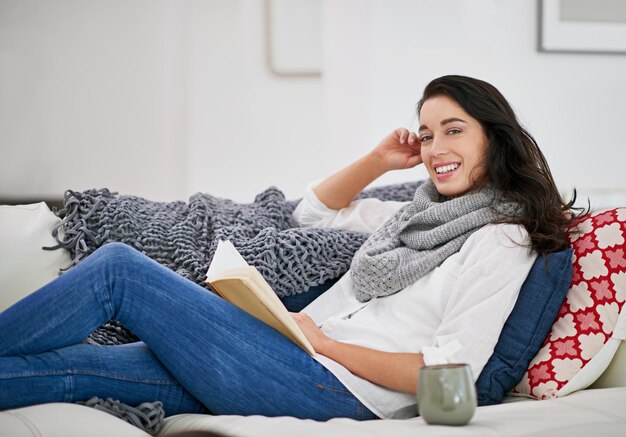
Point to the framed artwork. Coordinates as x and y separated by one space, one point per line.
294 37
582 26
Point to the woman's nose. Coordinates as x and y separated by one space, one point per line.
438 147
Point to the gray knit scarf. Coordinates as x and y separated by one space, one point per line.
420 237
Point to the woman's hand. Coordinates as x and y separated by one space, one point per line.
395 370
314 334
399 150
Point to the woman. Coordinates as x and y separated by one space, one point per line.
434 283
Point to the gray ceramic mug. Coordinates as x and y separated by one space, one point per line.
446 394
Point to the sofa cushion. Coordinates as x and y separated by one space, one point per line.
64 420
526 328
578 348
588 412
25 266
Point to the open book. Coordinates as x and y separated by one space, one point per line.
243 285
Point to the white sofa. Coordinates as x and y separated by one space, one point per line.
601 411
601 408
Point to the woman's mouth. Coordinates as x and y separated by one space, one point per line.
446 169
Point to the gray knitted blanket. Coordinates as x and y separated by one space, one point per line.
183 237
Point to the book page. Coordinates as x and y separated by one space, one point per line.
244 286
226 257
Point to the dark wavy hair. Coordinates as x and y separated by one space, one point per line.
514 165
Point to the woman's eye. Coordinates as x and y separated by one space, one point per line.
425 138
454 131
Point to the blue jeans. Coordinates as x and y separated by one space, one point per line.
197 351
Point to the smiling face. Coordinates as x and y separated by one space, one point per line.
453 146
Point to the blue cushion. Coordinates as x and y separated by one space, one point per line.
297 302
535 311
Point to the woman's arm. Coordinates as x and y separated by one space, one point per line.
394 370
362 215
398 150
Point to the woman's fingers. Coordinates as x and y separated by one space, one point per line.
406 136
402 134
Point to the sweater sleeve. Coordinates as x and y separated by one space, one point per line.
362 215
491 271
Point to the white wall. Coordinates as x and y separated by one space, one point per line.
162 98
247 129
91 95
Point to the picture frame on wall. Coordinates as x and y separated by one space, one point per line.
582 26
293 35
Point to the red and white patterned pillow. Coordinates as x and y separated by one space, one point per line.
591 307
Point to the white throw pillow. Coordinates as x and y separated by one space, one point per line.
615 374
24 265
